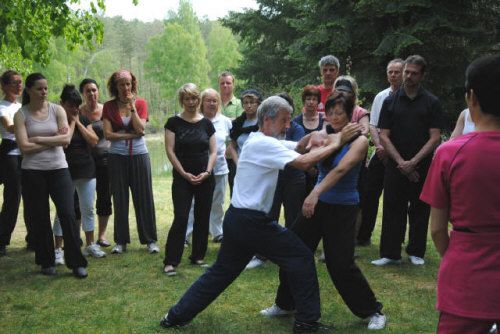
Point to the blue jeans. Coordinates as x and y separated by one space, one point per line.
247 232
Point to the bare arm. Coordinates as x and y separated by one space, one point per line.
62 137
389 146
233 151
379 148
176 164
212 155
109 134
459 126
429 147
364 122
87 132
21 133
7 124
356 153
138 123
332 143
439 229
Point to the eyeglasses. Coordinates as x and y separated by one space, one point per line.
248 103
14 83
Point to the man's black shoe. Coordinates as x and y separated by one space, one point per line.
166 323
310 327
80 272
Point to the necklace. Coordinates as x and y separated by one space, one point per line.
122 103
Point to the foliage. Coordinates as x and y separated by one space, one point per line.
283 40
28 26
179 55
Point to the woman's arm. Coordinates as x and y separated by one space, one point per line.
439 229
355 154
87 132
233 151
62 137
114 136
176 164
212 155
364 122
21 133
138 123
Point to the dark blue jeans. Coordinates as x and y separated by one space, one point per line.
247 232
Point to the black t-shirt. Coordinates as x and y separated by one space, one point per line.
299 119
80 162
409 120
191 143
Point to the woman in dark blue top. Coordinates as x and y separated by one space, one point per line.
329 212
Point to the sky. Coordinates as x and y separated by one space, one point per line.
150 10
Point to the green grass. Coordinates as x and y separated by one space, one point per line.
129 294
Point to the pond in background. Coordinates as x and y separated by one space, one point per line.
160 166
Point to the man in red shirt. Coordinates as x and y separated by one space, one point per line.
329 68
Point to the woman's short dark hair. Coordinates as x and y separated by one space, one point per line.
311 90
85 82
70 94
483 76
113 80
30 82
346 101
288 99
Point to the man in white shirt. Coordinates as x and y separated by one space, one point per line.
249 230
376 169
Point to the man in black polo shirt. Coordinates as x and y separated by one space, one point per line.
410 123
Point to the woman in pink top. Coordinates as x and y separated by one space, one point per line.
462 188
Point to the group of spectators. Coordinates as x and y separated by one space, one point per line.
312 161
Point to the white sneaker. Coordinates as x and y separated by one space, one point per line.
377 321
119 249
254 263
93 250
415 260
493 329
59 256
385 261
153 248
276 311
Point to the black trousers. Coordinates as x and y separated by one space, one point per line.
401 200
336 225
290 193
11 171
134 172
374 184
37 186
103 191
247 232
182 197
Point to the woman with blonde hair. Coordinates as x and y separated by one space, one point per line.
192 150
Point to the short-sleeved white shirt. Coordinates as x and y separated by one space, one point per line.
222 125
258 165
8 109
377 105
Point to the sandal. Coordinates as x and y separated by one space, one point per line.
199 263
170 272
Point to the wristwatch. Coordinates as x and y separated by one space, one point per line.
208 172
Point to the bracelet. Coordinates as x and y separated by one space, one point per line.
132 110
208 172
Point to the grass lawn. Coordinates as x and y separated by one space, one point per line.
129 294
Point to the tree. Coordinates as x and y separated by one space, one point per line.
284 39
179 55
223 51
28 26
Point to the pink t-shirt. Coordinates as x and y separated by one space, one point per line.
358 113
464 178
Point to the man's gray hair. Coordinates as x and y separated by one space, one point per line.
329 60
270 107
396 61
